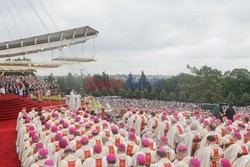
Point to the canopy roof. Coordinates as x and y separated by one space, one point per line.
15 69
28 64
46 42
74 59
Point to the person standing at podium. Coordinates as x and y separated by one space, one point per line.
2 91
71 99
39 95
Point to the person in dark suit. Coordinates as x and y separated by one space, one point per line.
230 112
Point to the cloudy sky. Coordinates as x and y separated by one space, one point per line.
157 36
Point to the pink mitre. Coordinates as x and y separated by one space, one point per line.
194 162
225 163
181 148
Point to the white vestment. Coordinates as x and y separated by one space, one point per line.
97 160
109 148
70 160
131 148
30 160
205 154
188 141
170 153
137 126
84 153
53 147
175 135
131 122
162 163
218 139
76 143
233 150
242 161
183 163
159 131
124 159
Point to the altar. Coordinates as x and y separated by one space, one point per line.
73 101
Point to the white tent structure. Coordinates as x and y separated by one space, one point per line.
47 42
36 45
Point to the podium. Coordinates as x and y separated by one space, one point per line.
73 102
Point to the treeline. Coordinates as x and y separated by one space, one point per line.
201 85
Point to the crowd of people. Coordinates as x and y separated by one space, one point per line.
141 137
146 103
26 85
156 104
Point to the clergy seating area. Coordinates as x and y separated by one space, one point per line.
59 136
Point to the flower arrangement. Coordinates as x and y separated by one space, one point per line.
49 98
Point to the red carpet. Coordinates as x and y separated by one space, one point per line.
10 106
8 156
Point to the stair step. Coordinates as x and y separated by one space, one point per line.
11 105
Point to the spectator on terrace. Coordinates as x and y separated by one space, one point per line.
2 91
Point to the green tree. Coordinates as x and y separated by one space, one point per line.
130 82
236 81
130 93
146 94
104 92
231 97
96 93
138 93
143 82
206 84
122 92
111 92
72 82
51 79
62 84
203 84
182 96
245 99
153 94
172 96
104 77
163 95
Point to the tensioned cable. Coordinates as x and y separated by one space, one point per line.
5 24
41 20
70 68
48 14
82 68
42 24
82 65
82 50
20 14
51 19
38 16
14 20
94 47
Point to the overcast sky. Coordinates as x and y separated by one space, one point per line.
157 36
